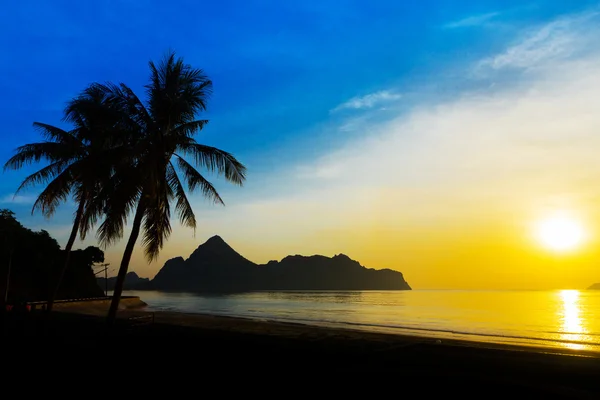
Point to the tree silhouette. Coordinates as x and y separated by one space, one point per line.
80 162
160 134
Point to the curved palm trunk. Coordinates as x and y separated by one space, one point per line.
135 232
68 248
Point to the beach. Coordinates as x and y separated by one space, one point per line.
309 354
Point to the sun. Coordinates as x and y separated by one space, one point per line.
560 233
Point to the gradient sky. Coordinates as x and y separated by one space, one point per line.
427 137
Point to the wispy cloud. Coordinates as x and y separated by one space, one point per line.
474 20
536 126
17 199
485 159
369 101
489 159
552 42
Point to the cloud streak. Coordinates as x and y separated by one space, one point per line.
430 190
369 101
558 40
536 136
471 21
434 181
17 199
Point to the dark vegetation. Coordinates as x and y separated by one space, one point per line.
128 160
30 263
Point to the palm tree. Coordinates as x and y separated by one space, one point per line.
80 160
161 134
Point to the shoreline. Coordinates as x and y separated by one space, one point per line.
134 305
243 346
544 332
292 329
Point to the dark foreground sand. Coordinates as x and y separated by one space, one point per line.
271 359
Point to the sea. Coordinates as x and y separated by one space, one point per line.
564 319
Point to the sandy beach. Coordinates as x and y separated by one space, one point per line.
310 354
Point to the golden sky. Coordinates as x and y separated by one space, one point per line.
449 189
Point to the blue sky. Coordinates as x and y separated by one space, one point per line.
278 68
295 83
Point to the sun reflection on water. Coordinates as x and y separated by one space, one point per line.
570 314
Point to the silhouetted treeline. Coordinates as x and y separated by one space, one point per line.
132 282
30 264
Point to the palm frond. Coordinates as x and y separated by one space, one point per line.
118 198
124 104
176 92
198 90
92 211
136 108
35 152
195 180
157 225
55 134
158 74
89 101
56 192
217 160
90 217
91 113
74 113
183 206
44 175
188 129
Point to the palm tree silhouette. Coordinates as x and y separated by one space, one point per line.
160 134
80 162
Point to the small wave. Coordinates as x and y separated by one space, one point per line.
482 334
572 333
421 330
162 308
426 317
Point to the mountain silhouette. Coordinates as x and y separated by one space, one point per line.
215 266
132 282
595 286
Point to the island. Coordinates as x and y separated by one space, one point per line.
215 266
595 286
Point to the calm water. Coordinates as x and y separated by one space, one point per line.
567 319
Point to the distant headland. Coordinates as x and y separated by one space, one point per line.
595 286
215 266
131 280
